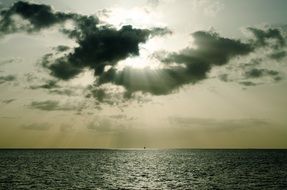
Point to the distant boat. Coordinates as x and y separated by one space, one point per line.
144 147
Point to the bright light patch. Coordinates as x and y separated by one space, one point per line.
145 58
137 17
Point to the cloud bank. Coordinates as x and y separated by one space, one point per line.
100 47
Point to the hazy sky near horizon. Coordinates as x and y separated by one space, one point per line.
154 73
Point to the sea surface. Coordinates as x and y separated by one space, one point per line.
143 169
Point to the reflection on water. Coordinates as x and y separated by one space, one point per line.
143 169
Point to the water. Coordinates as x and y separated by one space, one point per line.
143 169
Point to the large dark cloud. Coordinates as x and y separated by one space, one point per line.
100 47
157 82
211 49
192 65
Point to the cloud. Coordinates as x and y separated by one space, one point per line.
9 61
8 101
36 126
157 82
279 55
211 49
248 83
54 87
51 105
37 17
192 65
265 37
8 78
100 47
62 91
62 48
256 73
50 84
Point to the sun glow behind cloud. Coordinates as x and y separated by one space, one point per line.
145 58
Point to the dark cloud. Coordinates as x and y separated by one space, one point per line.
8 101
211 49
67 92
51 105
256 73
63 69
263 37
248 83
54 88
252 63
157 31
8 78
50 84
100 47
39 17
157 82
278 55
192 65
62 48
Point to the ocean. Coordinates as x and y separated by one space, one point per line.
143 169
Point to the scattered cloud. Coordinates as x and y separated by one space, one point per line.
8 101
7 78
248 83
36 126
279 55
50 84
256 73
267 37
52 105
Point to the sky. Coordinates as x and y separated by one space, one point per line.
146 73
